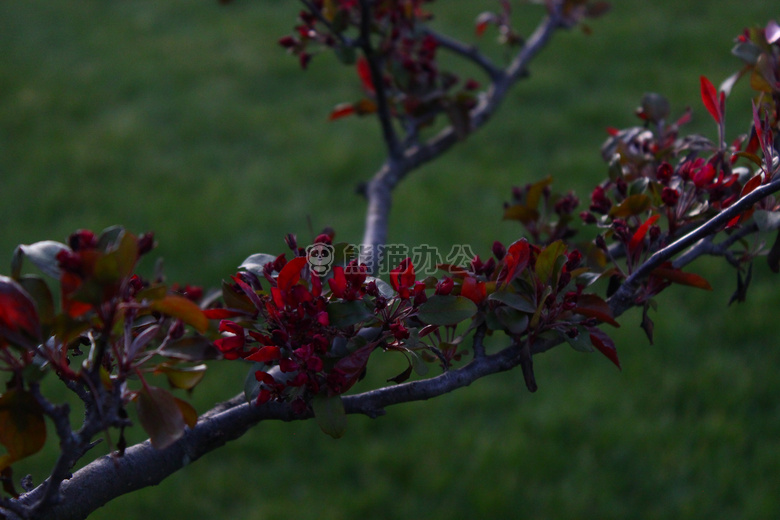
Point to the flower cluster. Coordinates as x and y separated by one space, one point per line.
403 59
311 336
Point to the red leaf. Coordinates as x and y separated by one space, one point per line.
17 311
338 284
709 97
516 259
364 71
341 110
266 354
733 222
605 345
639 236
353 365
291 273
593 306
682 278
220 314
474 290
182 308
751 185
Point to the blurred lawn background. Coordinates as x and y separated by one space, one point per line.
187 119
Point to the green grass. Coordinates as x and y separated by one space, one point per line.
185 118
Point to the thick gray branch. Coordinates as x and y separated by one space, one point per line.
142 465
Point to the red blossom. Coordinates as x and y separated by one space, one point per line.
703 177
399 331
231 346
445 286
402 278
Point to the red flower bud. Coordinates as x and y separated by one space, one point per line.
82 239
670 196
145 243
664 172
499 250
288 42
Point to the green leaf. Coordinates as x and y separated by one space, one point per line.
190 348
385 289
403 376
41 294
345 314
535 192
632 205
251 384
747 52
419 364
188 412
514 300
255 263
109 237
160 416
153 292
581 342
330 415
547 260
446 310
514 321
538 312
522 213
22 428
44 256
184 378
119 261
182 308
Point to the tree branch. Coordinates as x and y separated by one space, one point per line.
383 107
379 189
623 299
470 52
142 465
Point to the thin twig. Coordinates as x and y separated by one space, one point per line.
383 106
379 190
470 52
622 300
